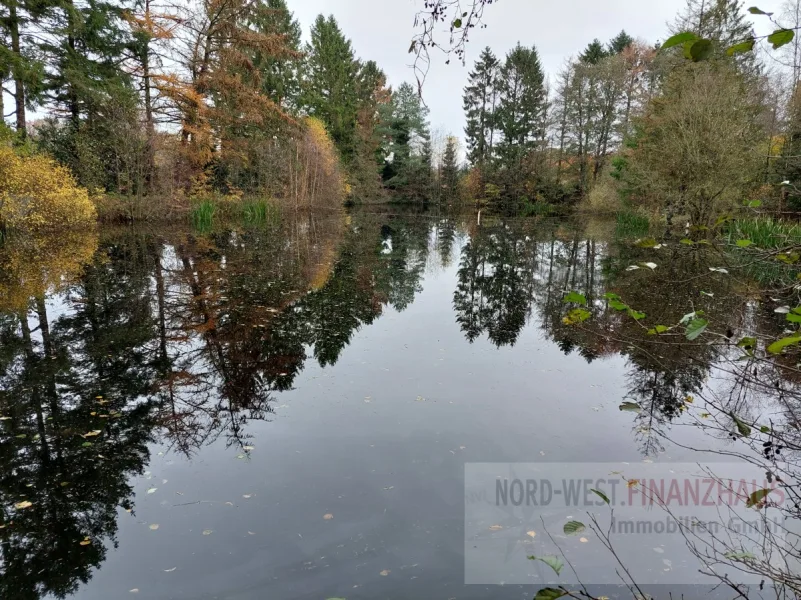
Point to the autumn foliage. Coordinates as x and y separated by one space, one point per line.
37 193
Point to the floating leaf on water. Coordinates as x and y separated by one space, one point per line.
85 542
385 572
328 516
241 456
583 540
574 527
208 531
5 418
94 433
531 534
251 533
23 504
248 448
154 527
551 561
496 527
134 591
630 407
152 490
170 570
247 496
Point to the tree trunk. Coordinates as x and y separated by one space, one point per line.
19 84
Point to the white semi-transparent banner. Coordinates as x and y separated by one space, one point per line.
667 523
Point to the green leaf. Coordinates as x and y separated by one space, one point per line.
577 315
765 429
756 498
779 345
611 296
758 11
742 427
551 561
747 343
695 328
742 47
744 243
781 37
574 527
457 23
636 315
754 203
601 495
86 445
687 242
701 50
647 243
688 47
630 407
549 594
618 305
576 298
658 329
793 318
679 38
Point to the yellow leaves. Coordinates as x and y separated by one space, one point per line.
23 505
37 193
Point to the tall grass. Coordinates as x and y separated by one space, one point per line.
631 224
259 212
764 232
202 215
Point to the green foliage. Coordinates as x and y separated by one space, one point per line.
479 102
762 232
202 215
631 224
279 74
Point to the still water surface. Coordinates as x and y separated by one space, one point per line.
287 412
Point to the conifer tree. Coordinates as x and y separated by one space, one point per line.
480 99
279 74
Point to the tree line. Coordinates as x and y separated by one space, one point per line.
155 99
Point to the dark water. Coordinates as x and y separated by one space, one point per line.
286 412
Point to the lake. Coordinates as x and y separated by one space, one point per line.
300 410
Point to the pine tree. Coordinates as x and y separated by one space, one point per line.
593 53
408 132
279 74
330 82
521 109
619 43
19 58
449 176
480 99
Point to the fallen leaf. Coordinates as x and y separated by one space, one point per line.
154 526
85 542
246 495
385 572
170 570
152 490
248 448
240 456
23 504
208 531
94 433
583 540
531 533
134 591
496 527
328 516
251 533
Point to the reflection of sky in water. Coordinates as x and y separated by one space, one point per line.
379 438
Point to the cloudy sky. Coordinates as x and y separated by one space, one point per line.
381 30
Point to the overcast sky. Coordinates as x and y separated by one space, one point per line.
381 30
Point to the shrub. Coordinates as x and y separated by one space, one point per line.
37 193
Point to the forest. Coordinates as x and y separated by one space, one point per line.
140 110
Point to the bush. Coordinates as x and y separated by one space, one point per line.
37 193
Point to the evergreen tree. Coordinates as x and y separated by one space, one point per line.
408 132
330 77
480 98
279 73
449 176
521 109
619 43
593 53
